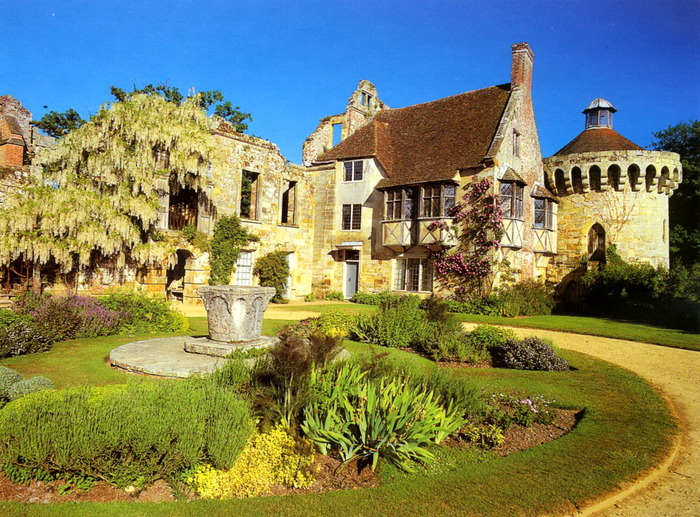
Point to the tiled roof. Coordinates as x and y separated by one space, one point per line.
598 139
430 141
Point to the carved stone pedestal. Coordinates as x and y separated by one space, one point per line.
235 315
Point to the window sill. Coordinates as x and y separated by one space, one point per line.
252 221
288 225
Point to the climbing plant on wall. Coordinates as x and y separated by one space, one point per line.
97 198
478 222
226 243
273 271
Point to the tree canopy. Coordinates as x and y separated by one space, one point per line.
98 197
684 217
60 124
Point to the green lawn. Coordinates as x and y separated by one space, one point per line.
576 324
626 430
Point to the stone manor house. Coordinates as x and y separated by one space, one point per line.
356 214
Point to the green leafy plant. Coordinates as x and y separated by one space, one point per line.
226 243
362 418
125 434
335 295
486 337
273 271
141 313
526 298
198 239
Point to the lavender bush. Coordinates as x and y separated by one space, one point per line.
531 353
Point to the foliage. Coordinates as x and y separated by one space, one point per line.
98 199
273 271
23 337
27 386
335 295
525 298
639 291
684 239
487 436
8 377
466 269
226 243
373 298
531 353
57 124
271 458
222 108
362 418
196 238
72 317
489 305
523 411
487 337
126 434
141 313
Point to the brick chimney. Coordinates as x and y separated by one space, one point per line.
521 70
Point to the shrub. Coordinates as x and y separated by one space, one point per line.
22 338
127 434
522 411
198 239
142 314
531 353
270 458
7 378
75 316
487 436
27 386
487 337
335 295
398 321
361 417
336 323
373 298
273 271
526 298
488 306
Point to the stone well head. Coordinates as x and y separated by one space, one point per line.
235 313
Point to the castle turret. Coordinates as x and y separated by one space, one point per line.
611 191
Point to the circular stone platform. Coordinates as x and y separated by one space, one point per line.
162 357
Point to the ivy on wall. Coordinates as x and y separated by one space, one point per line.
273 271
226 243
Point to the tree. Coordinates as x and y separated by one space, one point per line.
97 200
684 217
59 124
206 100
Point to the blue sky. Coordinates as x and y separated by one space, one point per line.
290 63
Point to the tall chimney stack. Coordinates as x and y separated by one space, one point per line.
521 70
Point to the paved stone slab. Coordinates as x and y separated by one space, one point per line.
162 357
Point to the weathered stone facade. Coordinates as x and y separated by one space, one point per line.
356 215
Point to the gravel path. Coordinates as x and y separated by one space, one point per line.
673 490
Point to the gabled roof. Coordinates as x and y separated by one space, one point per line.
598 139
430 141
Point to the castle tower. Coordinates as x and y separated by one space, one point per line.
610 191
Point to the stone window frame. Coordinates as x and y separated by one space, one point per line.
244 269
350 171
413 274
351 217
289 189
254 200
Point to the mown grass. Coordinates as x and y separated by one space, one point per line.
575 324
626 430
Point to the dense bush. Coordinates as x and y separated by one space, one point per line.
23 337
273 271
488 306
27 386
526 298
637 291
373 298
271 458
486 337
127 434
531 353
359 417
140 314
71 317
